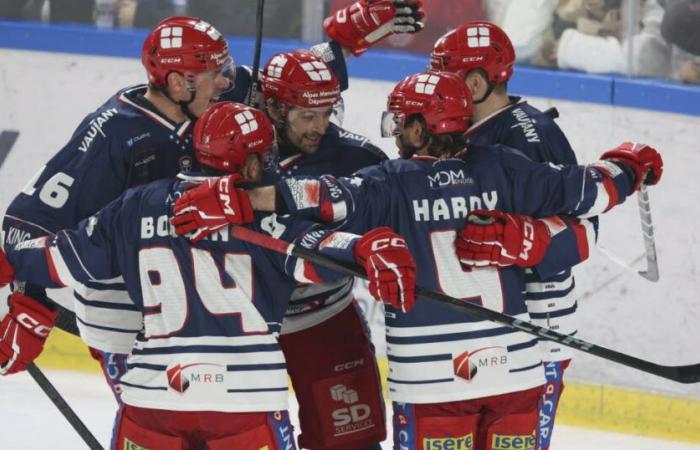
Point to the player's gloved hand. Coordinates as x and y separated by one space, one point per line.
645 161
358 26
7 273
498 239
23 332
210 206
390 267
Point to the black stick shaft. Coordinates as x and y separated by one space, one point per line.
63 407
255 75
681 374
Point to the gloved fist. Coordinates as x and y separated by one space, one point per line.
23 332
210 206
358 26
645 161
7 273
498 239
390 267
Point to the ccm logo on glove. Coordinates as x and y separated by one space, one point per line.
381 244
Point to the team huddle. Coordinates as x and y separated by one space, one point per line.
198 329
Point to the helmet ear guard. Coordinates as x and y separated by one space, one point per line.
227 133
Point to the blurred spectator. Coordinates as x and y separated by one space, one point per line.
282 18
74 11
681 27
590 35
149 13
526 23
21 10
440 17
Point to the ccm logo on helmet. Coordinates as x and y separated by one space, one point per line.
32 324
383 243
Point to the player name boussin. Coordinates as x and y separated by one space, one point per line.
161 227
456 207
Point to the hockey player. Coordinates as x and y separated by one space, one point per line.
323 322
456 381
143 133
205 369
483 55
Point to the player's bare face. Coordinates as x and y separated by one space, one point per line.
209 86
306 126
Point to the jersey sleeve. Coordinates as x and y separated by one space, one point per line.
71 257
334 244
569 245
546 189
86 259
356 204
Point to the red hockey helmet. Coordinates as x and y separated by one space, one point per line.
228 132
441 98
184 45
475 45
300 78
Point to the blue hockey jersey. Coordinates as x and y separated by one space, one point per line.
202 318
435 354
550 286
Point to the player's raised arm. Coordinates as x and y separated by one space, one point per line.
359 26
381 252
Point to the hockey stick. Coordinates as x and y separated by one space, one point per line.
681 374
7 141
254 75
652 271
63 407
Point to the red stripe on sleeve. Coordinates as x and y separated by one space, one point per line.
611 189
53 273
581 238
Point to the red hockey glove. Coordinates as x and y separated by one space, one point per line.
358 26
210 206
644 160
498 239
7 273
390 267
23 332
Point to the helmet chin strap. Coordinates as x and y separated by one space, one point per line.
183 104
488 92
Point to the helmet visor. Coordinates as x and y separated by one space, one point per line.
228 71
270 158
392 124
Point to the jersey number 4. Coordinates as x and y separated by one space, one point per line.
164 290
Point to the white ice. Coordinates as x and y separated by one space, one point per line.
29 421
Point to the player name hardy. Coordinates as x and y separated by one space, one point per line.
457 207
